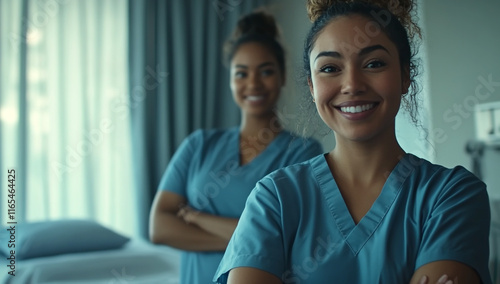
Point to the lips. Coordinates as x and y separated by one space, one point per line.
254 98
358 108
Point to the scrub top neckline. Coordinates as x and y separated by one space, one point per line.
273 146
356 235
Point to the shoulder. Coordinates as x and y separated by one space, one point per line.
293 176
210 135
299 140
439 174
438 184
284 184
216 132
301 145
290 188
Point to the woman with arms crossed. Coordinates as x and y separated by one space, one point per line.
205 186
367 211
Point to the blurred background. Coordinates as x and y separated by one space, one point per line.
96 95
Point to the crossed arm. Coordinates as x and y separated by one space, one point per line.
455 273
173 224
176 225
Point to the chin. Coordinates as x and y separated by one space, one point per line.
260 113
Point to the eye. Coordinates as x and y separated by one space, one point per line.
240 74
267 72
329 69
375 64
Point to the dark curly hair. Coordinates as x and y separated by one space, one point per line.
259 27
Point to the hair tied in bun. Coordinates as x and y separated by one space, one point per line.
258 22
315 8
402 9
260 27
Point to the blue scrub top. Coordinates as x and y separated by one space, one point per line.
206 171
296 226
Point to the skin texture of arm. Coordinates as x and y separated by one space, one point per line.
219 226
460 273
427 274
249 275
167 228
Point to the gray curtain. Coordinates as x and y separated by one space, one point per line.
177 80
64 66
13 51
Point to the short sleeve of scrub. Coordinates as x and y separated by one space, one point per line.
175 177
451 232
261 233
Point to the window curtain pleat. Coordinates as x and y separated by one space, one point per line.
13 92
64 75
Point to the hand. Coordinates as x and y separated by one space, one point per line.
443 280
188 214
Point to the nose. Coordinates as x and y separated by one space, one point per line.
353 82
254 80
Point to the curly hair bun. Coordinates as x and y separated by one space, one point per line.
258 22
315 8
402 9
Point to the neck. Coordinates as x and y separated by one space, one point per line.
255 126
365 163
256 133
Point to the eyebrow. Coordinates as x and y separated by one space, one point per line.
265 64
362 52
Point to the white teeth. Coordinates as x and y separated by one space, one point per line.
357 109
254 98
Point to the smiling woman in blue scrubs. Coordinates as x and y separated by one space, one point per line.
205 186
367 211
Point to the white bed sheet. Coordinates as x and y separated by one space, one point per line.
138 262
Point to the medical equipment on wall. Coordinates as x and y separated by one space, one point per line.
487 123
487 116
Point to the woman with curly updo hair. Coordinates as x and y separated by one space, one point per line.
367 211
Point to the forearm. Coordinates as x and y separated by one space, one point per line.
220 226
454 272
250 275
172 231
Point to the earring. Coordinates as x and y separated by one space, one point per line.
314 100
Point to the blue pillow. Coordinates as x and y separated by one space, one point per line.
39 239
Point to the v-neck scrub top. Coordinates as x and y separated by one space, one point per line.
296 226
206 171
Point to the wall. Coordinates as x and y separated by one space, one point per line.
292 18
462 39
